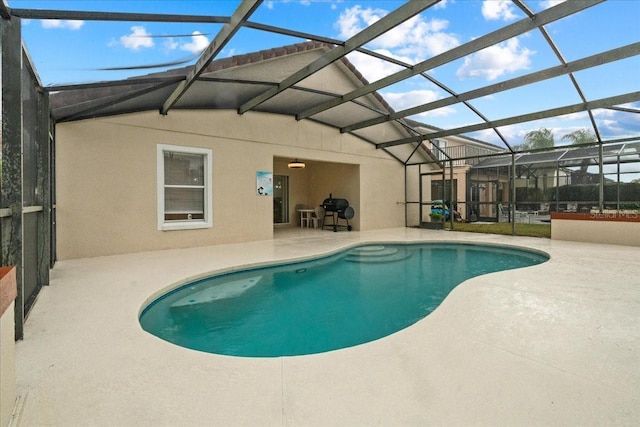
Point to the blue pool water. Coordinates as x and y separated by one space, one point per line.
353 297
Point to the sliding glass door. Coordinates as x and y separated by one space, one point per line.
280 199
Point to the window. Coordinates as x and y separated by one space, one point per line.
184 187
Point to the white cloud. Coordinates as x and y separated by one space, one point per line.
349 23
373 69
139 38
402 100
171 44
415 39
550 3
496 60
62 24
498 9
488 135
199 42
270 4
441 5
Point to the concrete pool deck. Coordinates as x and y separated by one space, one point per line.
553 344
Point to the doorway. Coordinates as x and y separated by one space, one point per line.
280 199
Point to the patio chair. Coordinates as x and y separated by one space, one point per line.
300 217
316 217
504 214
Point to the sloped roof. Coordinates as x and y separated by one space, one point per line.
230 82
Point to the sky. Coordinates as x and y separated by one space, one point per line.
67 52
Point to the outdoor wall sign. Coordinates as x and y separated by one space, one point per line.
264 183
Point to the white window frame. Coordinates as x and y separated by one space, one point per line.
207 222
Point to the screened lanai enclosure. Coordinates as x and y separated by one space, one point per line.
572 179
465 140
526 187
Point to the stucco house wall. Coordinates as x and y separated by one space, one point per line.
106 177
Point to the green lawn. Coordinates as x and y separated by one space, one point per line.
531 230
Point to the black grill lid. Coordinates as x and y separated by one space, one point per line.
335 205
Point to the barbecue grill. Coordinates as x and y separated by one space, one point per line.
336 210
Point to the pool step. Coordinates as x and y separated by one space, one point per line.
377 254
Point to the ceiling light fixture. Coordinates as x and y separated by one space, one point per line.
296 164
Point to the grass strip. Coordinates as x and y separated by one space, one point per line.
530 230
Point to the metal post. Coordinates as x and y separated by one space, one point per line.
601 176
444 193
513 194
420 198
453 198
558 187
44 189
618 186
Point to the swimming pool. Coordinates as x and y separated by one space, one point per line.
352 297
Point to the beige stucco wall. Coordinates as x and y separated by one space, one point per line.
610 232
106 178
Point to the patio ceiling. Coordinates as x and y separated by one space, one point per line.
246 83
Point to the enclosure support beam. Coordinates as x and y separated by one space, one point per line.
44 189
558 187
242 13
601 177
11 227
618 183
406 214
513 194
528 79
444 193
545 114
454 197
402 14
545 17
421 198
4 10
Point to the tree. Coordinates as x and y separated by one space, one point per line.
577 137
580 136
541 138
